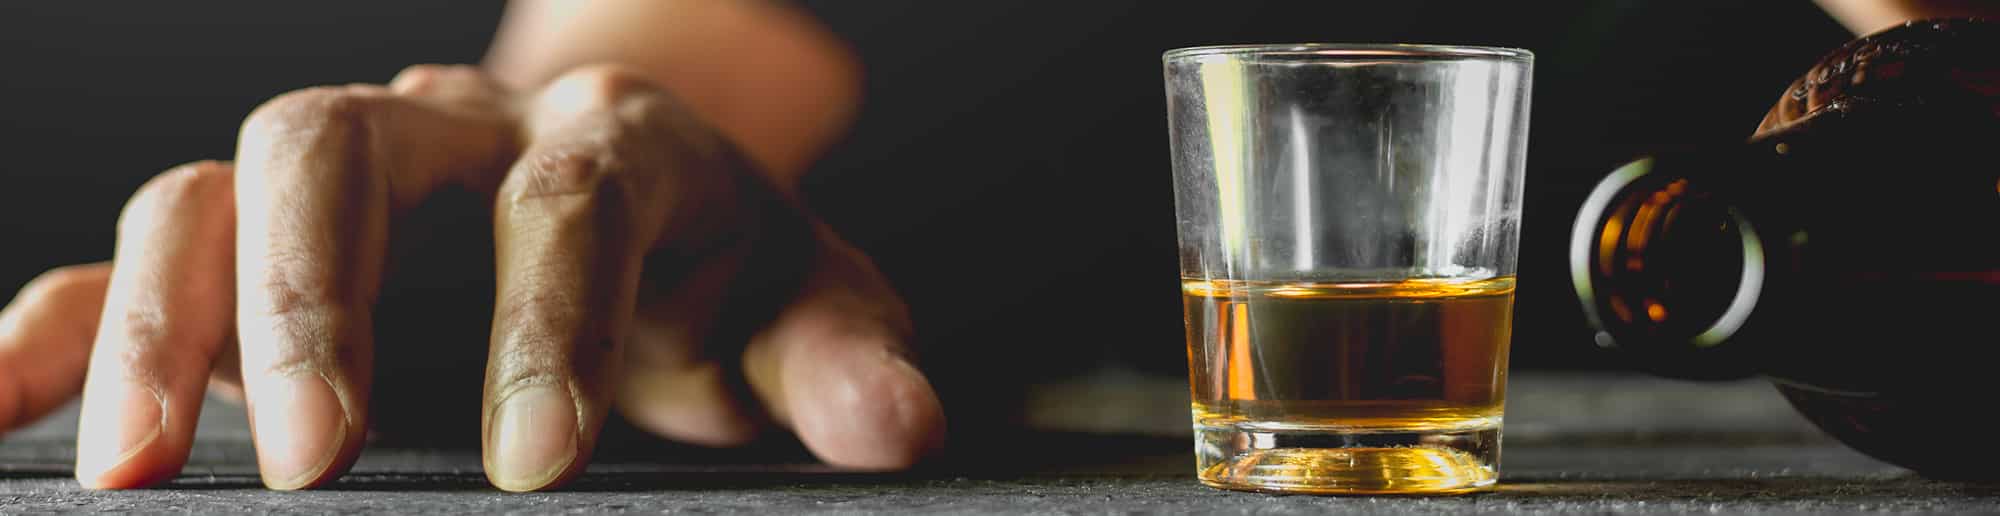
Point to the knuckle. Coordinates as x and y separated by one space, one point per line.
145 327
569 172
148 338
547 333
600 85
302 340
194 184
536 314
418 79
152 349
62 283
425 79
291 286
324 114
204 170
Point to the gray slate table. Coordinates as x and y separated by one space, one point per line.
1110 443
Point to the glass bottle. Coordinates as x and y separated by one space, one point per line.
1849 251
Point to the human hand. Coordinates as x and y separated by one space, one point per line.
620 221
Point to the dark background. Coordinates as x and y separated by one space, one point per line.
1009 170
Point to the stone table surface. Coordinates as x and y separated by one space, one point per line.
1106 444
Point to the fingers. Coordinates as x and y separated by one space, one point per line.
452 86
166 314
225 380
833 366
700 308
319 174
679 382
572 221
45 336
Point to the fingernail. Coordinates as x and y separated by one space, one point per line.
533 438
108 440
300 426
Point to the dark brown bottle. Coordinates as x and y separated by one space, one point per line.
1849 251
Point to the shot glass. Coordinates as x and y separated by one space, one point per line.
1349 218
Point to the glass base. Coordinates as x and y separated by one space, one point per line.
1277 458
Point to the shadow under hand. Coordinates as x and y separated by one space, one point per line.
631 463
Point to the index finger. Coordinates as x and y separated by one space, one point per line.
319 174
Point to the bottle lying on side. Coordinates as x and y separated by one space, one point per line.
1849 251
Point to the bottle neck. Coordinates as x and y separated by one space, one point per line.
1668 269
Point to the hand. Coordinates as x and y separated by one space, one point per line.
620 222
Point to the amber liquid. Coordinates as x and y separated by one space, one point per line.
1381 387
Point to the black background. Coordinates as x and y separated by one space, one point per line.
1009 170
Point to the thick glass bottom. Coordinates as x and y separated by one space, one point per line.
1284 459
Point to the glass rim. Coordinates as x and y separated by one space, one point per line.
1334 52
